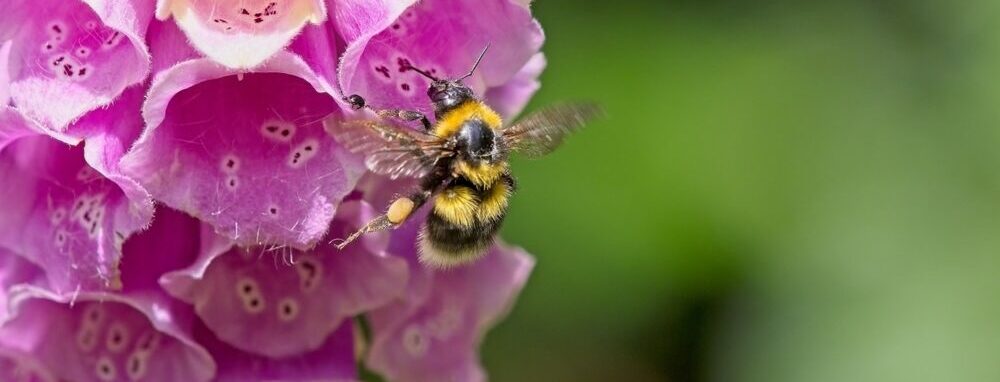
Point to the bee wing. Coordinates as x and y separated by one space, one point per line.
542 131
390 150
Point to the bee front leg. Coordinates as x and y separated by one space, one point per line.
358 103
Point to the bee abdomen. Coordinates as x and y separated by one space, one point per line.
456 233
444 245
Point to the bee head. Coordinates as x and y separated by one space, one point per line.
448 94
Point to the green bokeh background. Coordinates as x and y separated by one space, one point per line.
784 191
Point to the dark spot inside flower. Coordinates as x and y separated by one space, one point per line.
384 70
232 183
48 46
269 10
247 288
405 87
58 60
223 21
395 26
68 69
57 29
258 20
287 309
273 211
116 338
230 163
134 365
254 303
86 216
83 71
308 148
404 64
272 128
244 11
285 132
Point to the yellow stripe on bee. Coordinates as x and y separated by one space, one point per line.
450 123
457 205
483 174
494 204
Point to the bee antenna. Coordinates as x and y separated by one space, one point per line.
425 74
405 65
476 65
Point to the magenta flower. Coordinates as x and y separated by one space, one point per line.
214 114
69 57
433 333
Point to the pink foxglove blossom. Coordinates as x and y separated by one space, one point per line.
170 192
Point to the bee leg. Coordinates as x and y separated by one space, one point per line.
358 103
398 211
380 223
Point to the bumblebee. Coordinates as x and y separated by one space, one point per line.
460 159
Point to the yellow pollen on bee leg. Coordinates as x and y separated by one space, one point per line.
399 210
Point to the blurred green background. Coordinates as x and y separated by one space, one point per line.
784 191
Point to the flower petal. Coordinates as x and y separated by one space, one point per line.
5 71
22 367
246 153
70 57
65 214
510 98
15 270
332 361
241 33
375 68
104 337
172 242
279 303
14 126
434 337
71 208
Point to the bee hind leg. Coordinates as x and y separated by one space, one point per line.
399 210
380 223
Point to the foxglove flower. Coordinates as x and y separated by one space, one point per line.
137 334
442 37
244 149
241 33
279 310
70 208
69 57
433 333
214 111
